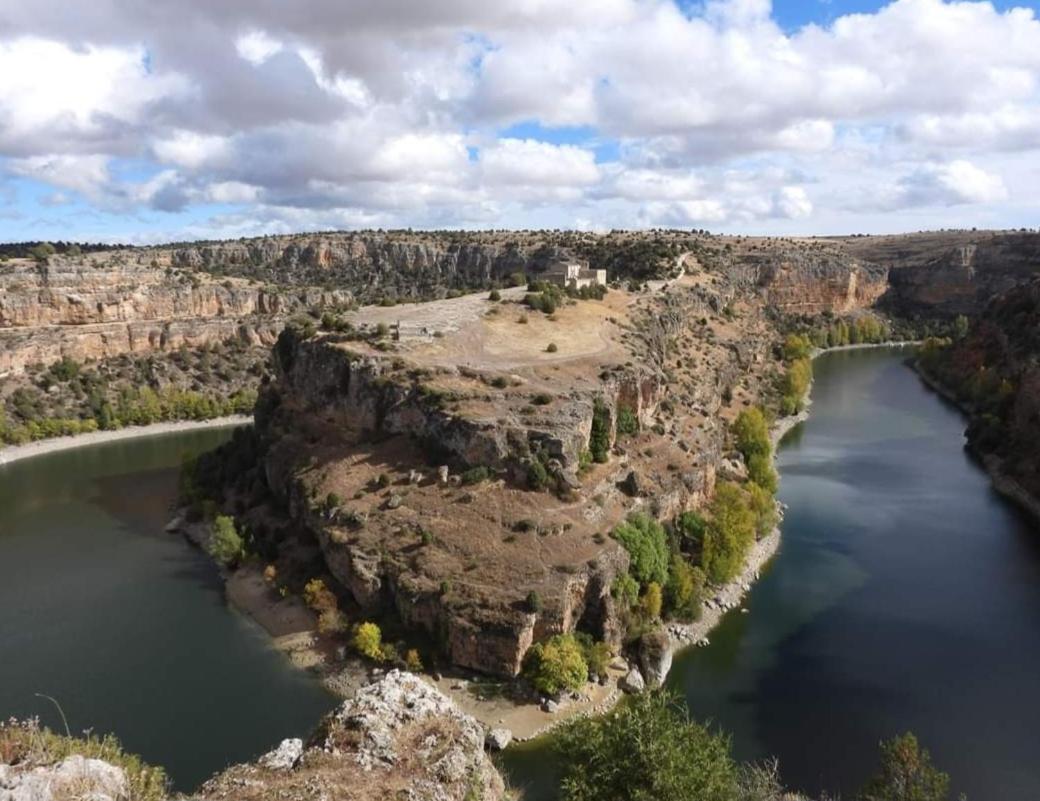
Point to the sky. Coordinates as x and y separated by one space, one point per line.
146 121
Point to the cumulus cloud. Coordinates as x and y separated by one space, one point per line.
636 112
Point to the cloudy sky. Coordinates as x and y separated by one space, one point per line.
148 120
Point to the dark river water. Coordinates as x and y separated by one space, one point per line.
906 596
125 625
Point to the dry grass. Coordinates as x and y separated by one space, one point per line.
27 744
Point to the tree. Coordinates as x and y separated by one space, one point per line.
225 544
690 527
556 664
760 500
368 641
646 750
647 545
761 472
796 347
960 327
906 773
730 533
599 437
751 432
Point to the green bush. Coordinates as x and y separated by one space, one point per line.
647 545
495 295
684 592
652 601
794 385
625 590
534 602
475 475
597 653
225 543
556 664
690 528
729 534
551 348
645 750
537 476
627 422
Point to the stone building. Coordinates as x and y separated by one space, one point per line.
575 274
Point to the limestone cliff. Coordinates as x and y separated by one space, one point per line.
108 304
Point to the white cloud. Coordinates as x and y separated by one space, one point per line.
395 112
256 47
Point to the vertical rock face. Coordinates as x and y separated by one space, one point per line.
93 308
801 283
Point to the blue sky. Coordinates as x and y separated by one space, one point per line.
175 121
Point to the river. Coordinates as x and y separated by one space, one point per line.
127 626
906 596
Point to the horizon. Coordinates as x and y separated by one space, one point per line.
179 122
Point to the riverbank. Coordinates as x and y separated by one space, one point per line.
15 453
1002 482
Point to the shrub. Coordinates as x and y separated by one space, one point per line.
648 748
794 385
318 596
627 422
651 602
495 295
599 437
625 590
647 545
597 653
225 544
729 534
368 641
906 773
534 602
475 475
541 399
556 664
685 590
690 527
551 348
763 506
537 475
331 621
412 661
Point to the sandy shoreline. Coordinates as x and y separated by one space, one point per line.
15 453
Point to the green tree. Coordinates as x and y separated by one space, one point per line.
751 432
761 502
906 773
627 422
225 544
599 437
960 327
646 750
730 532
796 347
761 472
556 664
647 545
690 528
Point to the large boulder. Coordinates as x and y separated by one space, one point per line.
74 777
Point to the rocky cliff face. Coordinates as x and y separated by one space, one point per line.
950 273
809 283
101 306
374 264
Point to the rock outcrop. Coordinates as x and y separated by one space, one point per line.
397 738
